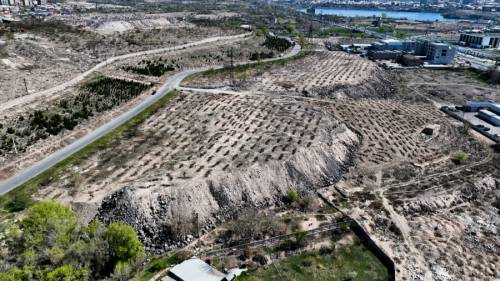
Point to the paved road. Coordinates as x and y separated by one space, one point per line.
56 157
79 78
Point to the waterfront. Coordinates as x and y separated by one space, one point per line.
346 12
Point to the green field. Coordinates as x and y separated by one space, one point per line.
353 263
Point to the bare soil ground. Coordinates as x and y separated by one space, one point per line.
43 59
445 86
216 152
215 54
331 122
319 74
404 185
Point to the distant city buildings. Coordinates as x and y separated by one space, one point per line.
22 3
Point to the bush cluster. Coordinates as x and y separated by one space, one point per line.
50 244
262 55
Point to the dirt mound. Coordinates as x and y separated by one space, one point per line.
205 157
157 211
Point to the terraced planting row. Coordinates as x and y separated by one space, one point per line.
197 136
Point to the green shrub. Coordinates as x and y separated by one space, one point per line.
150 68
459 157
19 202
292 196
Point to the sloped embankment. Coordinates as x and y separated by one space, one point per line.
206 157
160 214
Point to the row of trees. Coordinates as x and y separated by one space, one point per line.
50 244
98 95
151 68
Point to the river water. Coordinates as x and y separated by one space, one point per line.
346 12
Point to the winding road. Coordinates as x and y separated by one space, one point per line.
80 77
171 84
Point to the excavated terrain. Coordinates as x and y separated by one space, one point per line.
320 74
207 156
330 122
436 216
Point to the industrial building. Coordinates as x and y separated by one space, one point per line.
440 53
195 269
387 45
384 54
480 40
435 52
432 52
475 106
487 110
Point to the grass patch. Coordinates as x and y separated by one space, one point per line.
160 263
490 76
474 75
354 262
156 265
341 31
11 201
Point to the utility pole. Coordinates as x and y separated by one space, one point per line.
25 85
14 142
231 55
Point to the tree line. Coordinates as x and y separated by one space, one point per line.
95 96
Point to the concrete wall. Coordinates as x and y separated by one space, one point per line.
365 239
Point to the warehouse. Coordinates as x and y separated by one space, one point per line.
480 40
495 107
489 117
475 106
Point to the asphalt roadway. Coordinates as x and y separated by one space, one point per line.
58 156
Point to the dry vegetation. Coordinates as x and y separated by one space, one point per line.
320 74
447 86
86 112
49 53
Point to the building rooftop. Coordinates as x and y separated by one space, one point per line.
489 113
439 44
491 34
195 269
392 41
